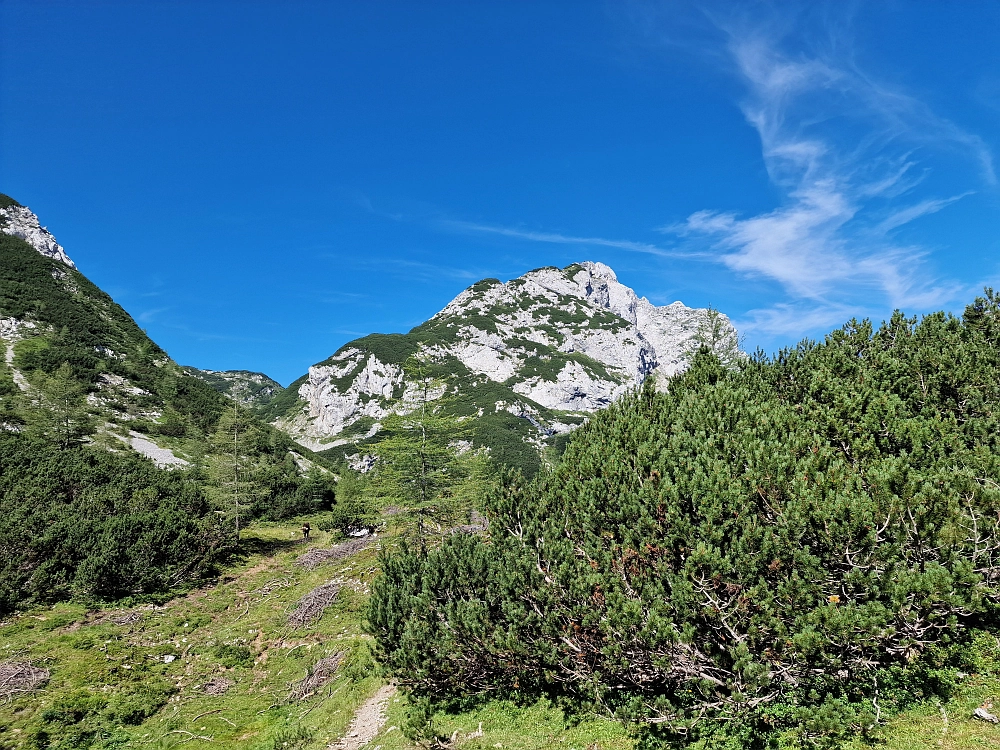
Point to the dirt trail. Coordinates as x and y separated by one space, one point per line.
367 721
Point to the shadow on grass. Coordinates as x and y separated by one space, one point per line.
254 545
249 547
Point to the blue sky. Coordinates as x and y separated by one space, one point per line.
260 182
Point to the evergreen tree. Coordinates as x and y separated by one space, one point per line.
55 408
716 335
425 457
234 467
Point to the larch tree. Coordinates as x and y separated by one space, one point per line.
233 465
425 458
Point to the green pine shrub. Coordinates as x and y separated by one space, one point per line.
797 544
83 522
234 655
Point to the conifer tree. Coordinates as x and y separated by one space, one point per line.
422 461
718 336
233 467
55 408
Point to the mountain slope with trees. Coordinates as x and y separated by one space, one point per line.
531 359
255 390
81 385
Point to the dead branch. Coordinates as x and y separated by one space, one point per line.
217 686
18 677
321 673
316 557
310 608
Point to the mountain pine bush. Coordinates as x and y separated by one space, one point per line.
86 523
795 545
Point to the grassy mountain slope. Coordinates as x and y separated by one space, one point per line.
64 317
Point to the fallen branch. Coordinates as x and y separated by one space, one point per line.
321 673
316 557
18 677
191 735
310 608
217 686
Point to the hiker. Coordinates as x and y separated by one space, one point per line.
305 532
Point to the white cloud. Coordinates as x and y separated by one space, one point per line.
786 319
561 239
840 147
924 207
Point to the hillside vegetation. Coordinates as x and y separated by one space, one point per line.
507 435
84 516
796 548
223 667
254 390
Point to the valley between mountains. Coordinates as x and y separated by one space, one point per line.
554 515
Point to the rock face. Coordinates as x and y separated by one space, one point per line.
550 345
19 221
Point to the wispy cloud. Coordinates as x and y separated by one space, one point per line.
840 147
562 239
924 207
148 316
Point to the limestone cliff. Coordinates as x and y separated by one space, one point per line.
19 221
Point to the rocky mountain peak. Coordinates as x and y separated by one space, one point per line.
20 221
549 344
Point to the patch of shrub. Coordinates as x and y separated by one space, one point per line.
234 656
101 526
757 551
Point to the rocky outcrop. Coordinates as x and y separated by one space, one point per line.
568 340
19 221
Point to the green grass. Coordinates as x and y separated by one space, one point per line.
89 655
113 677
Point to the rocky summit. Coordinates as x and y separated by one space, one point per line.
548 348
19 221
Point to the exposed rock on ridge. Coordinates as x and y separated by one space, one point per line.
552 342
19 221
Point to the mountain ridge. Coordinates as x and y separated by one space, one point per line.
548 347
52 315
20 221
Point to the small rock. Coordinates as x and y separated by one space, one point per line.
167 658
983 715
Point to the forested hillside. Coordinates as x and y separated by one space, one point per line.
82 389
254 390
797 547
